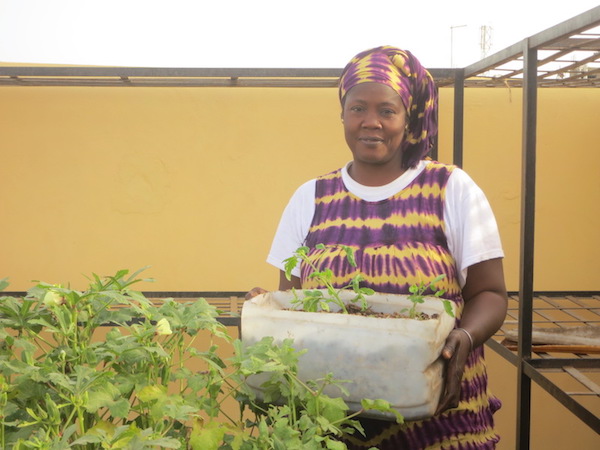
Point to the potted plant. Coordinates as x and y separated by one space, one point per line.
389 350
108 368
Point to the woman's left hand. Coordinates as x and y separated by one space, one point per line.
455 352
484 311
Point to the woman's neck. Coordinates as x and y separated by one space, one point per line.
374 175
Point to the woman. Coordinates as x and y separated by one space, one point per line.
409 220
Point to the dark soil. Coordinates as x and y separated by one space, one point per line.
356 310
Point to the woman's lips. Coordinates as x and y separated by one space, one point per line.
370 140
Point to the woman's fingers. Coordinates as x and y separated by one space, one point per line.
254 292
455 352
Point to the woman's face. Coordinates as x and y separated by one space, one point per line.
374 124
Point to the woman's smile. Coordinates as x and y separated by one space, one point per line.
371 140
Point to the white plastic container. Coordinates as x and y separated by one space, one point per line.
395 359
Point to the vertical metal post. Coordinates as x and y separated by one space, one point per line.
527 242
459 116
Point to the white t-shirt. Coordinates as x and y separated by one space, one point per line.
470 225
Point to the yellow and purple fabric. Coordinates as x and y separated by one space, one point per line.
402 71
399 242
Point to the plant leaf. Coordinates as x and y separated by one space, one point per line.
207 437
120 408
448 307
3 283
349 255
383 406
151 392
289 265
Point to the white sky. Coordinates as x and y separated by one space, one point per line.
265 33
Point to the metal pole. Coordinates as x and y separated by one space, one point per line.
527 242
459 119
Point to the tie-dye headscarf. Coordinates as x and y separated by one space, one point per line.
401 71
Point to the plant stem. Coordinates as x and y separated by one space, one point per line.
333 292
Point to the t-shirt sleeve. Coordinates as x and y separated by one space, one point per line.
471 227
293 226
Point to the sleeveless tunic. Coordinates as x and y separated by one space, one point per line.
399 242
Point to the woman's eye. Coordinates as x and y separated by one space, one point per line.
387 112
356 108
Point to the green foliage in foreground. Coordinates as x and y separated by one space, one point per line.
106 368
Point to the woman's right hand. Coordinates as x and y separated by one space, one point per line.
254 292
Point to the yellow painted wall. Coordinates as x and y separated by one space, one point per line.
189 181
192 180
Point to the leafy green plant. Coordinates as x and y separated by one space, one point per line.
108 368
417 296
314 300
299 414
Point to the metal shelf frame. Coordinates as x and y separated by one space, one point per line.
556 310
531 55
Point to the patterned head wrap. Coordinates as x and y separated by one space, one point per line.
401 71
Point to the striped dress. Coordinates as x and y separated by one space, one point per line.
399 242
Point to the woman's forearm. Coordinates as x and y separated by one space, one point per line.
486 301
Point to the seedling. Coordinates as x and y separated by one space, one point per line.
314 300
417 294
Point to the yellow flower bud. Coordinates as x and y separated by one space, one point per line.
163 327
53 298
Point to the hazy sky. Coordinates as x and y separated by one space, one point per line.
264 33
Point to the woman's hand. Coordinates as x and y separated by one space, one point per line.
455 352
254 292
485 299
284 285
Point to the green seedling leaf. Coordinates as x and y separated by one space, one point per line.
303 251
349 255
289 265
448 307
312 293
311 304
327 273
438 279
383 406
332 409
324 305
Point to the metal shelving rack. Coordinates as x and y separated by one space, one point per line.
566 55
553 368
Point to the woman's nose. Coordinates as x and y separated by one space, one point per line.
371 120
